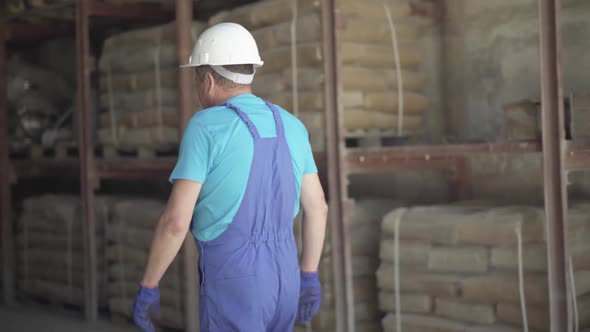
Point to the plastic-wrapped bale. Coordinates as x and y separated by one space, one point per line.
459 266
289 37
138 88
50 260
365 231
129 236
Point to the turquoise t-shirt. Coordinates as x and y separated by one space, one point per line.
217 151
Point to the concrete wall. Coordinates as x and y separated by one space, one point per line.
492 57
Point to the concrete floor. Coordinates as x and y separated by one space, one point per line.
25 319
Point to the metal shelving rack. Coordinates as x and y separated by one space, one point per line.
560 156
337 163
90 169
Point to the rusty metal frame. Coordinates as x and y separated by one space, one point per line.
88 181
554 156
184 17
337 176
8 255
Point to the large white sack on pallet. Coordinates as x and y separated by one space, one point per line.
308 78
388 102
458 259
534 258
132 237
138 101
466 312
537 317
374 8
361 120
142 213
53 291
132 60
422 323
379 79
59 241
503 287
410 303
309 29
308 101
265 13
54 259
410 252
135 137
383 101
149 37
167 116
436 284
494 328
60 276
372 30
142 81
277 59
453 225
356 119
326 319
378 56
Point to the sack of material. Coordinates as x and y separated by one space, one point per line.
130 234
459 267
289 35
50 259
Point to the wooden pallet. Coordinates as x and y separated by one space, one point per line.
139 152
374 138
60 151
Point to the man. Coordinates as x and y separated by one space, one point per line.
243 167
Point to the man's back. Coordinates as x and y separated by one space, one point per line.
219 155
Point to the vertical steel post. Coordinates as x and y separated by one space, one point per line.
554 162
184 17
337 176
8 268
87 171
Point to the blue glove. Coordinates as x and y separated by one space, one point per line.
310 294
147 299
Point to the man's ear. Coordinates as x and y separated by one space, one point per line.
210 82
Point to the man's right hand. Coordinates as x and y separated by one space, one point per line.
146 302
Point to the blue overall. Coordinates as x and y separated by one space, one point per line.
250 273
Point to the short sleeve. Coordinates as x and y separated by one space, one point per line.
194 154
309 166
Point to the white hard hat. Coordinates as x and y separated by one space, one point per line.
226 44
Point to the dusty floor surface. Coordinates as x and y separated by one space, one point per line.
23 319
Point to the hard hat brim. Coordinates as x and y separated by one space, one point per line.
256 65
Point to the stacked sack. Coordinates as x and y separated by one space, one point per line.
130 236
138 88
289 37
458 268
364 232
50 260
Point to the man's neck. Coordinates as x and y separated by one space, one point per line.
229 94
